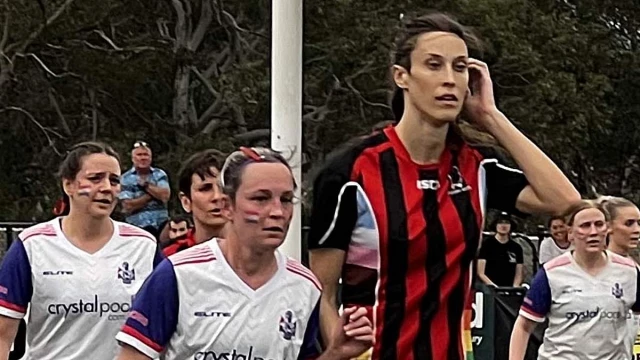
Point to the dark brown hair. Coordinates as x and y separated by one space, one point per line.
404 44
234 165
199 164
72 163
554 218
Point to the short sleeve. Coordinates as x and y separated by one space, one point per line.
162 179
484 250
16 285
519 253
503 184
636 306
310 344
537 302
128 188
154 315
334 213
545 253
158 256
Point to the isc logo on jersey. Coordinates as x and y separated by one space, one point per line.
231 355
113 310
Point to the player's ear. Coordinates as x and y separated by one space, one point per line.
227 207
185 202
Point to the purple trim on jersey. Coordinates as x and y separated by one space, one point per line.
16 287
158 257
154 315
309 348
636 306
538 299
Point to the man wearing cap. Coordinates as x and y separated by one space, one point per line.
500 260
145 191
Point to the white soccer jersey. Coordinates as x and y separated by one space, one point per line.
588 315
194 306
77 301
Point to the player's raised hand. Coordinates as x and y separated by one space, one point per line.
353 334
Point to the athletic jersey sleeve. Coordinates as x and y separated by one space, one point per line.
16 286
334 212
537 302
636 306
310 344
154 314
503 183
158 257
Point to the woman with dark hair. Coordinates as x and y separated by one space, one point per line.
240 297
77 273
398 216
586 294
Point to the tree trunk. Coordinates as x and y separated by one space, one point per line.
181 97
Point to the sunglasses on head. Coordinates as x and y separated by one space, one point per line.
138 144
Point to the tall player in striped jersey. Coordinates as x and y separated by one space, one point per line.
586 294
239 297
399 215
78 273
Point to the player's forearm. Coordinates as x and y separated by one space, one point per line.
8 331
328 317
548 182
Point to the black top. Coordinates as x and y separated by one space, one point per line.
501 260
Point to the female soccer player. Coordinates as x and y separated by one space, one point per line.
77 273
239 297
624 231
399 216
586 294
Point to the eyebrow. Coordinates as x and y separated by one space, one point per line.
459 57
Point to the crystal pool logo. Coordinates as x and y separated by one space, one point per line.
597 313
229 355
112 310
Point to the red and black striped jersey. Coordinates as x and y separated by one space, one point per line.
410 233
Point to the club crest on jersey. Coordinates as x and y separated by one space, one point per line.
288 325
458 184
616 291
125 274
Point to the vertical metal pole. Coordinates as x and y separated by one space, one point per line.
286 100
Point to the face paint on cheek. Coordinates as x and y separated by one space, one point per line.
252 217
84 190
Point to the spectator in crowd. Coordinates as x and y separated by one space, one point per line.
179 227
559 242
500 259
145 191
200 196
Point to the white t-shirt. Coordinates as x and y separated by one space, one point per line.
550 250
194 306
588 315
77 301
